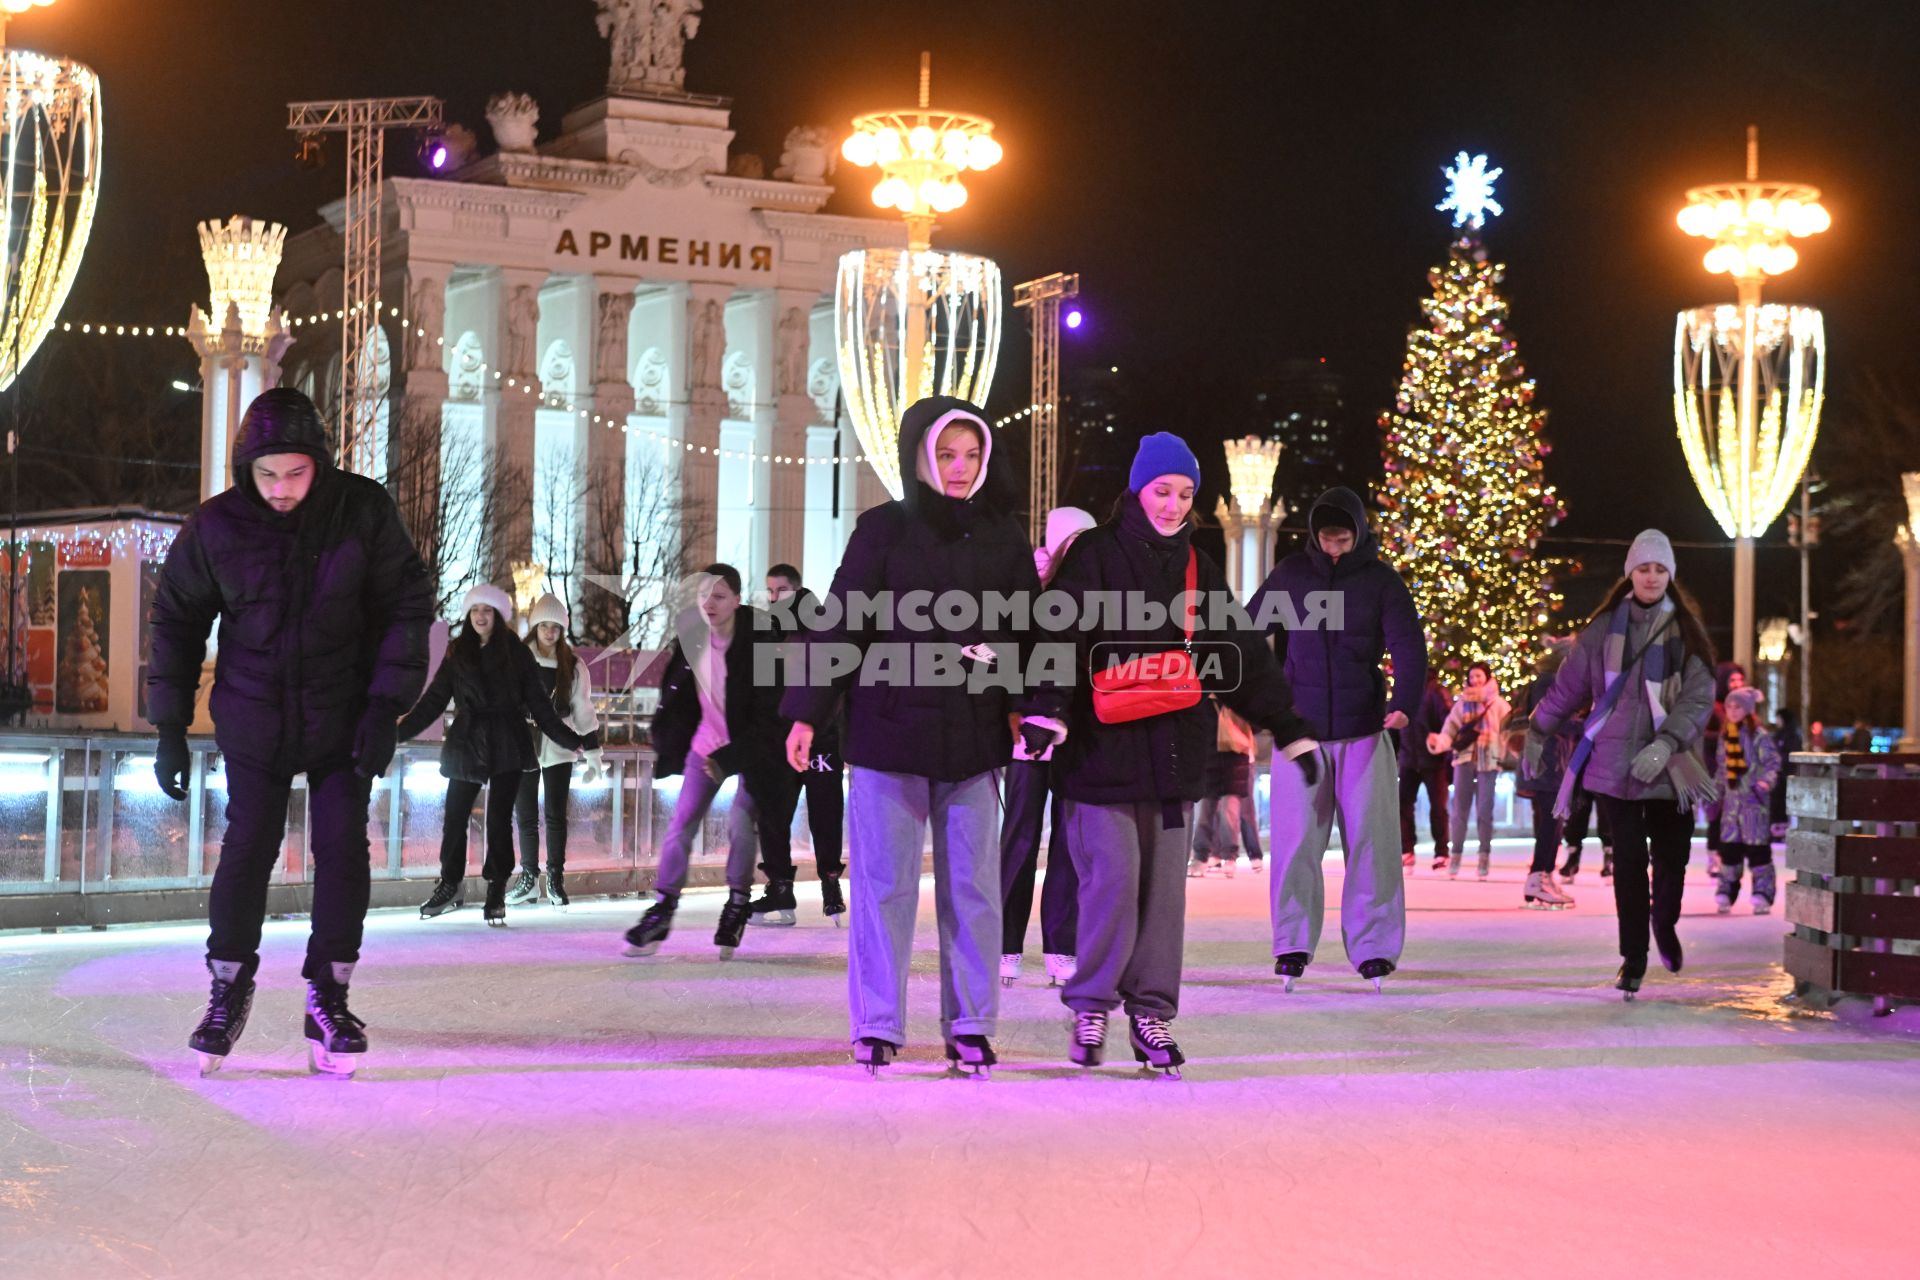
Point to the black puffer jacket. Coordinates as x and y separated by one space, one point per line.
495 688
1336 673
1162 757
756 733
323 611
925 542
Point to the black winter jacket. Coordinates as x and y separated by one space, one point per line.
323 611
924 542
493 696
756 732
1163 757
1336 677
1429 713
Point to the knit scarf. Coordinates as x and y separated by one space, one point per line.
1692 783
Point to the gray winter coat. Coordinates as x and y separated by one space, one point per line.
1582 680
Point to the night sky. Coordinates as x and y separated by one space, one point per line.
1233 181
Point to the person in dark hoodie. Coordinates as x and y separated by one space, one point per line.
491 679
1130 780
823 782
1422 767
925 753
1332 658
323 606
720 715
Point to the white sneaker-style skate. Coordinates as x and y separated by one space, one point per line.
1540 896
1009 970
1060 969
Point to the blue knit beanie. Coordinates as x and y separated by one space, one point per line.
1162 454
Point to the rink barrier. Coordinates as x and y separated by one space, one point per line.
88 839
1854 852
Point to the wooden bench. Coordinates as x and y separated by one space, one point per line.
1855 853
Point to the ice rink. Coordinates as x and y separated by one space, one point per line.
536 1104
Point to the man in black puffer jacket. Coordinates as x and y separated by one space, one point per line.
323 606
1332 609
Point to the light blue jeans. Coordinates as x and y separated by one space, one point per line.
1472 787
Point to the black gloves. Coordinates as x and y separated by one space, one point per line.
591 742
374 741
1309 765
172 763
1036 739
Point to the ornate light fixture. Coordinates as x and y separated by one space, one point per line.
1749 380
242 257
1907 538
1251 463
915 323
1774 634
50 131
1248 523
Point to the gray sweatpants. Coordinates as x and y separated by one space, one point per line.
1358 787
697 791
1133 907
888 815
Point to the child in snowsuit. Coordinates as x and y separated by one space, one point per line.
1749 771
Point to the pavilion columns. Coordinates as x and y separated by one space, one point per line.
513 435
699 428
788 339
605 456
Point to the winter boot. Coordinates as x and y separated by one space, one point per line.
1667 942
526 888
1542 895
832 902
557 889
1726 889
495 910
1089 1038
1763 889
335 1038
1154 1047
447 895
1632 971
645 938
1060 969
733 923
228 1005
776 906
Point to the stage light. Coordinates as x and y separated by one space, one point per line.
310 154
1074 319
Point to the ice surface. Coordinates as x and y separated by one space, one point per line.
536 1104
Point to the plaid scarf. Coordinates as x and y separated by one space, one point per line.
1660 663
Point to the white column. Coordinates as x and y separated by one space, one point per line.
699 357
513 432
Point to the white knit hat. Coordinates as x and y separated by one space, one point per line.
1651 547
548 609
487 593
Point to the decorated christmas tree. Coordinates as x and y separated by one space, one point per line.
83 668
1465 501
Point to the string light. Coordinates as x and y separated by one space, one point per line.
151 540
1465 501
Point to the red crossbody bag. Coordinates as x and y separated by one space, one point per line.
1156 683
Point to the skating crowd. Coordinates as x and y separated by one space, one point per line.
1135 748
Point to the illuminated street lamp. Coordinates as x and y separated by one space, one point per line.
240 340
1907 538
1249 522
1749 379
915 323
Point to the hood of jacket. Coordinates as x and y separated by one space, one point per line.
281 420
920 428
1365 545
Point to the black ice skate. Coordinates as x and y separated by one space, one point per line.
526 888
733 923
1154 1047
1376 971
832 902
228 1005
1628 979
335 1038
776 906
1089 1038
971 1056
557 890
495 910
447 895
874 1053
645 938
1571 867
1291 966
1667 943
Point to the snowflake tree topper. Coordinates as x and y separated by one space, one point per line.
1470 191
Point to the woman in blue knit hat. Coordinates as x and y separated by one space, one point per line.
1130 780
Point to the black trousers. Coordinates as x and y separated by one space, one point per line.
775 796
1026 805
1646 831
824 783
502 790
337 842
1435 780
1546 831
559 780
1752 855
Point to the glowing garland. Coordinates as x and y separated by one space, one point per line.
1465 501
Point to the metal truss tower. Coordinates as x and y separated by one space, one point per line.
1043 297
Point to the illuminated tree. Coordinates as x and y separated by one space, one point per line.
1465 501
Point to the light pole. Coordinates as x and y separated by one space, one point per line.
1907 538
1749 379
918 323
1250 520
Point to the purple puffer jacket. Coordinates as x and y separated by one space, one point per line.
1746 810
